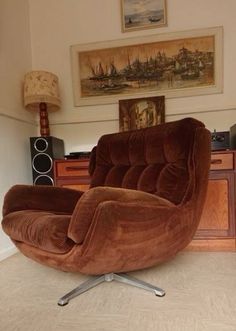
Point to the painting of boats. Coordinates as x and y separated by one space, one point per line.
143 14
176 66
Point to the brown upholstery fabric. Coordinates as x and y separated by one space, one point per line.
24 197
88 204
147 193
43 230
153 160
92 161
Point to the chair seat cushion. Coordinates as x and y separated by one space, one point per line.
44 230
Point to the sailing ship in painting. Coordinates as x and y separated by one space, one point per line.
154 19
108 78
186 68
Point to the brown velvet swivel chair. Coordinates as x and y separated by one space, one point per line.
147 192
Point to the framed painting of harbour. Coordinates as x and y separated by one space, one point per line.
176 64
143 14
141 112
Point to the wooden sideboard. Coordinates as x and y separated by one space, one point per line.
216 231
72 174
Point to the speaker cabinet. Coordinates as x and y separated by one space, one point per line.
43 151
233 137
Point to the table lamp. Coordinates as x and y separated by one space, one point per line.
41 93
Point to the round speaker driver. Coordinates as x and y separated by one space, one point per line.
43 180
41 144
42 163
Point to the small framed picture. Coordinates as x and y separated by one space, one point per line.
143 14
141 113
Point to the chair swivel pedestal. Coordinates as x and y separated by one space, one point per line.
96 280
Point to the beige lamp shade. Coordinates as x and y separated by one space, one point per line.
41 87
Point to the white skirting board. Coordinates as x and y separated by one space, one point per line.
8 252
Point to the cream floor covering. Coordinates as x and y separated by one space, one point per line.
201 296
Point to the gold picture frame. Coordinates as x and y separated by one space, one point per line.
144 14
179 64
141 113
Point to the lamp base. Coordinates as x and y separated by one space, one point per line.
44 122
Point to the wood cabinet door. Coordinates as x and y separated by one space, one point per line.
218 217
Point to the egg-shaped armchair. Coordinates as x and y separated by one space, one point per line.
144 205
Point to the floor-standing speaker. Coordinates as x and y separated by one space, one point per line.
43 151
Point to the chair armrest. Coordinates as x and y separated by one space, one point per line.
48 198
86 208
129 236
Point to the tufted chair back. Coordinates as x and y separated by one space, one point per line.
156 160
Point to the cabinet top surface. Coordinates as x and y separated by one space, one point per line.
72 160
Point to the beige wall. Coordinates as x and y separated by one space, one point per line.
16 125
57 24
